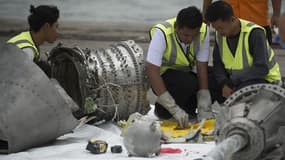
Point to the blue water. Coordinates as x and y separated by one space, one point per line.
138 11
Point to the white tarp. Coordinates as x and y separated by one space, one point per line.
73 147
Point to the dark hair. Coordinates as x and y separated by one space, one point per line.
41 15
189 17
219 10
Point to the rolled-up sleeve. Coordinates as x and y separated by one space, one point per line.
203 54
156 48
29 52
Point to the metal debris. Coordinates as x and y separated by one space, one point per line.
114 78
33 110
251 124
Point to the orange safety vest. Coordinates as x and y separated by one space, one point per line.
252 10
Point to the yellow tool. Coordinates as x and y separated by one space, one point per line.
171 129
97 146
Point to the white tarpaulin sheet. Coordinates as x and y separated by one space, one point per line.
73 147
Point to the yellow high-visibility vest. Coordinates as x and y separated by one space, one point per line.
174 56
24 40
243 59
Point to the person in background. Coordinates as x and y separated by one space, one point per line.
43 27
242 55
256 11
177 46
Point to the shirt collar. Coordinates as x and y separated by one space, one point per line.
179 41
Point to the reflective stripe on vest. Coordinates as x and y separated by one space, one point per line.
24 40
234 66
173 49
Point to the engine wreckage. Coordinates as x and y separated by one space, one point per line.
250 124
32 111
105 84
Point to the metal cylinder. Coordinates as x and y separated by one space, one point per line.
112 79
227 147
255 112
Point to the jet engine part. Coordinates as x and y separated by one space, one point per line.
142 138
250 124
112 80
32 111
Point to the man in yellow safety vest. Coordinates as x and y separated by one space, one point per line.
43 22
177 61
242 55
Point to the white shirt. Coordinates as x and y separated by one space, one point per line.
157 47
29 52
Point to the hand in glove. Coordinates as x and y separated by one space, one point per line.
204 104
179 114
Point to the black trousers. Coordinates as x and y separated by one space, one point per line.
183 87
216 89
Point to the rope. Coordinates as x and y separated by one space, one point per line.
106 85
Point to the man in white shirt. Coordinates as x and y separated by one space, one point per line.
178 46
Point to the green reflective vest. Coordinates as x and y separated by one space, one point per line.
24 40
174 56
243 59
